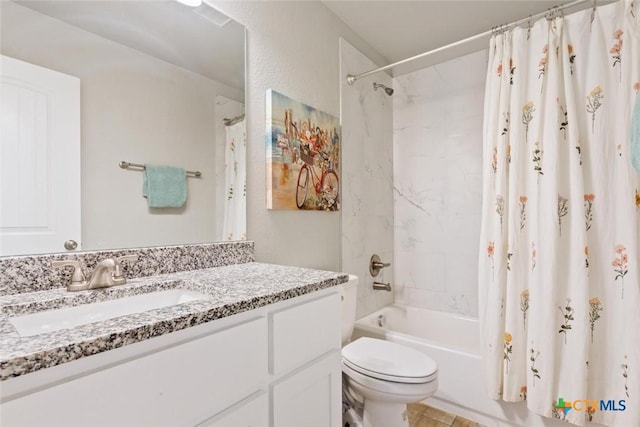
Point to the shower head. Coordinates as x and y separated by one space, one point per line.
387 90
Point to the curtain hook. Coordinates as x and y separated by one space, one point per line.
529 27
555 13
593 14
552 12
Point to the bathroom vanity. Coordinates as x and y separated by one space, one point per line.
258 346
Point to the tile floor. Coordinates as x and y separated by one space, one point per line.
421 415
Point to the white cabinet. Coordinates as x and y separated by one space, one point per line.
303 332
276 366
250 412
204 375
308 397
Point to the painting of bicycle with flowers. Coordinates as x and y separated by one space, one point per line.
303 156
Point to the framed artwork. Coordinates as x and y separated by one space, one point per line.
303 156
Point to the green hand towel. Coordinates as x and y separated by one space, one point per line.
164 186
635 135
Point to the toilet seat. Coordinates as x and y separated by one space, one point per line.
386 391
388 361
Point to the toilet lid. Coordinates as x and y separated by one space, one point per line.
389 361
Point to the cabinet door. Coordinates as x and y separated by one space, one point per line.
250 412
304 332
179 386
311 396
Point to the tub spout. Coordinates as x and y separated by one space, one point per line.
379 286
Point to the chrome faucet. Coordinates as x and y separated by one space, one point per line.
104 275
107 273
379 286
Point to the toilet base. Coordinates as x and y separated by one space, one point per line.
383 403
384 414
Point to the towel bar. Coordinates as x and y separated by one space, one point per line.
127 165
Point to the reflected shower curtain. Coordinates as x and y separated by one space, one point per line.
235 167
559 262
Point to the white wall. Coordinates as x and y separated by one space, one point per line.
134 108
367 184
292 47
437 149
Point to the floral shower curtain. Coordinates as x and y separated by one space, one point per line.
235 218
559 267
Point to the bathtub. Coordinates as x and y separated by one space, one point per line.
453 341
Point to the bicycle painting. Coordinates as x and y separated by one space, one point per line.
303 156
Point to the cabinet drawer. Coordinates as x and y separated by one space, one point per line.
250 412
201 377
305 332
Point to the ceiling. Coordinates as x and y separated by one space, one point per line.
396 29
164 29
401 29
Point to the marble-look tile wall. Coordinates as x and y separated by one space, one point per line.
437 150
367 163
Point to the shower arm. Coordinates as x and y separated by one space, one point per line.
351 78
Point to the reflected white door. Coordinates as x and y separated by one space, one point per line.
39 158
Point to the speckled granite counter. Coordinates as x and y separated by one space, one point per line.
230 290
33 273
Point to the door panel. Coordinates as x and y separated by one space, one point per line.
39 158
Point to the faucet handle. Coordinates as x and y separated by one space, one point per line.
78 281
118 273
375 265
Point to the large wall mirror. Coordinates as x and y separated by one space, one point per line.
88 84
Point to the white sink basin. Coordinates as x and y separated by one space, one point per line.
70 317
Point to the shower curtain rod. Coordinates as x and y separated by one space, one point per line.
351 78
233 121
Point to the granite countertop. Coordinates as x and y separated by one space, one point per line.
230 290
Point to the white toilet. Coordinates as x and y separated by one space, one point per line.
382 375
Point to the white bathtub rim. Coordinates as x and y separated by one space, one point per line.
369 323
378 331
404 307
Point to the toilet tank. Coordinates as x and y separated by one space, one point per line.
349 299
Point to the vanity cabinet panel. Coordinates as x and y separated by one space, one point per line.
274 366
250 412
178 386
311 396
303 332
